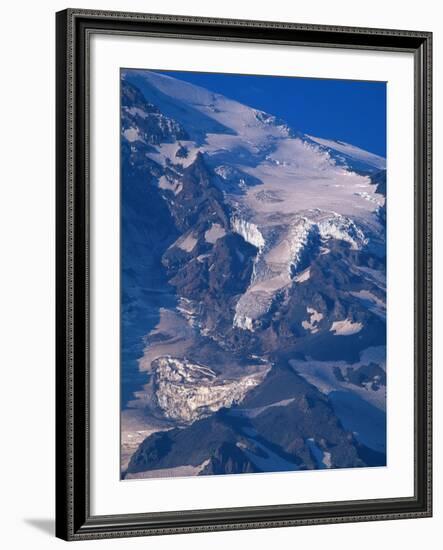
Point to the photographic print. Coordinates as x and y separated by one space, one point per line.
253 274
239 300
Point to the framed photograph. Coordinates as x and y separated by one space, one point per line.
243 274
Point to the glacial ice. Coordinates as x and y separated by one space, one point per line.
186 391
284 255
248 231
343 229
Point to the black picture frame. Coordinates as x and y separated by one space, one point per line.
73 518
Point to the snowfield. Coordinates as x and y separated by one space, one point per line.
268 251
352 152
304 190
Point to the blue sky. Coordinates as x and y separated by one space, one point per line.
347 110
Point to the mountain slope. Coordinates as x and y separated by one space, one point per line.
274 250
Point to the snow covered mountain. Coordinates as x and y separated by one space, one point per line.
351 156
273 244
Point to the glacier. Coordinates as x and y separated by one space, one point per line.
275 250
302 192
278 265
249 232
187 391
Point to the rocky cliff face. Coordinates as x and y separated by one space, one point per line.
272 246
